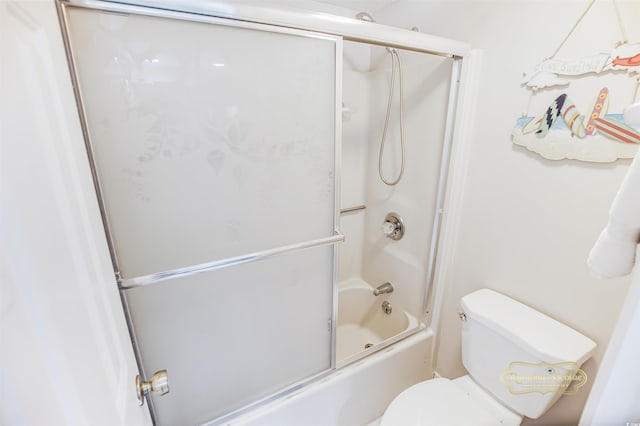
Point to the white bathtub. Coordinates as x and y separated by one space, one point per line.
363 324
353 395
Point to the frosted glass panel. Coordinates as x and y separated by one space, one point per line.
210 141
234 335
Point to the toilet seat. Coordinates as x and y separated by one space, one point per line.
444 403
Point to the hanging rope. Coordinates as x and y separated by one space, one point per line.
573 29
525 113
624 33
570 33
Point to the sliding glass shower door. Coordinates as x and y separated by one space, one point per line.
213 145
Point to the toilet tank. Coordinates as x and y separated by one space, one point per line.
524 358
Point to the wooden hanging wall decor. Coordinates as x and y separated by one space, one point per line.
583 132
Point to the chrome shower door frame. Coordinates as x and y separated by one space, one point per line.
125 283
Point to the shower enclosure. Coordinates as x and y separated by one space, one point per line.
231 156
369 258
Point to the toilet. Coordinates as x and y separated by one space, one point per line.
520 362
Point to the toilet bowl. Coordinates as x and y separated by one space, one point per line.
500 337
447 402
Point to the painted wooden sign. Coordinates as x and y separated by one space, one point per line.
564 130
625 57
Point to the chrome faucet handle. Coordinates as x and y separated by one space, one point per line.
393 227
388 228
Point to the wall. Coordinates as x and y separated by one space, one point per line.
65 353
527 224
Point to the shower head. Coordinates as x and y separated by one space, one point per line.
365 16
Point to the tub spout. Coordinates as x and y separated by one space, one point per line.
382 289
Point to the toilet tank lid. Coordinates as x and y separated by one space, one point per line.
546 338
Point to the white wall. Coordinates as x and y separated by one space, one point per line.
527 224
65 353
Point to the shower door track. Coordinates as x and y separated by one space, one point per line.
348 29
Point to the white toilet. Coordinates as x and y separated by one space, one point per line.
519 360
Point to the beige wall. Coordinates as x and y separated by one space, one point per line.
527 223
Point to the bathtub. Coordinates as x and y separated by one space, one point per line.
362 322
353 395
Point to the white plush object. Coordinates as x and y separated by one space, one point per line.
632 114
614 253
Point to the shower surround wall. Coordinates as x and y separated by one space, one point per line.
367 252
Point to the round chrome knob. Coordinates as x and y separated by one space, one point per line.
393 227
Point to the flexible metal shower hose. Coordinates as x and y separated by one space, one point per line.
394 56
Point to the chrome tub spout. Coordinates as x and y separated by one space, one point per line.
382 289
